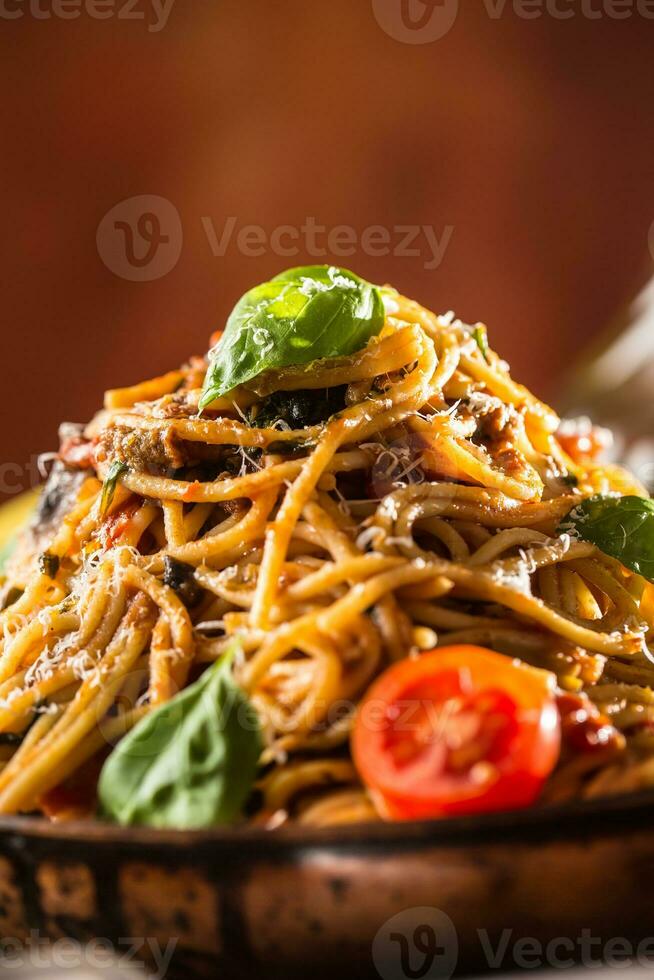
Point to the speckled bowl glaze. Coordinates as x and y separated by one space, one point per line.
300 903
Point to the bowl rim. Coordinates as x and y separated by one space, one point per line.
574 819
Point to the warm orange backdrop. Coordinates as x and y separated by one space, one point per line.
532 139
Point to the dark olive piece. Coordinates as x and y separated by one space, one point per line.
181 578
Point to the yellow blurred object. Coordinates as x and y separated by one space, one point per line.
13 517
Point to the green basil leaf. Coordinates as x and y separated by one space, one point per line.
190 763
114 474
621 527
300 316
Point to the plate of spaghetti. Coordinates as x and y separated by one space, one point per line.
342 575
348 564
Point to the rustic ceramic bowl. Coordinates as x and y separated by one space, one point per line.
306 903
395 901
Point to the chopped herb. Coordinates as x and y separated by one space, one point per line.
114 474
49 564
481 339
298 409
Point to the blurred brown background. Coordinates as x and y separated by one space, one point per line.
531 140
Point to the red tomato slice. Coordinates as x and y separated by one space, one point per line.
454 731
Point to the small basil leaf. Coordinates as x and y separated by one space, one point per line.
114 474
621 527
300 316
190 763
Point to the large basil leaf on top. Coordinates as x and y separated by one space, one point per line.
190 763
621 527
299 316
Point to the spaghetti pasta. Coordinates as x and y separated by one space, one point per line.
425 509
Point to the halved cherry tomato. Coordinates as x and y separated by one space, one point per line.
584 443
457 730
